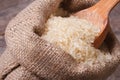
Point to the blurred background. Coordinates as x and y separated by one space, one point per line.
9 9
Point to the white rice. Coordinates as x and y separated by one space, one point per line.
75 36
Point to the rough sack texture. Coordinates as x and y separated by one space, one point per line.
28 57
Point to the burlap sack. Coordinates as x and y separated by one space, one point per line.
28 57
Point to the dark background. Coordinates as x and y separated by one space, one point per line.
9 8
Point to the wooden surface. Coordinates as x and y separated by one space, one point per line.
9 8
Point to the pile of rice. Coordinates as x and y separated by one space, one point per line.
75 36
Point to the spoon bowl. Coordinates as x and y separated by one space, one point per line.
98 16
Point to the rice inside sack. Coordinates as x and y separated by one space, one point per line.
75 36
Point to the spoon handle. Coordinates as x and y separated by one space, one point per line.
105 6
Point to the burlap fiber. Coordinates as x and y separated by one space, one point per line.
28 57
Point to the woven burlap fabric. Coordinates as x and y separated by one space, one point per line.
76 5
28 57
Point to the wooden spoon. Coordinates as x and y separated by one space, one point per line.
98 15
